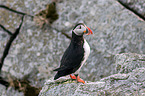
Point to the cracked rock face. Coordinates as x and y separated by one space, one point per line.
135 5
36 52
120 84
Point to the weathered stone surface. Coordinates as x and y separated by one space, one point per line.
121 84
135 5
9 92
115 31
30 51
2 90
3 39
9 19
125 63
27 6
129 84
36 52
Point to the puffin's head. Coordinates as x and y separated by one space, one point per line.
81 29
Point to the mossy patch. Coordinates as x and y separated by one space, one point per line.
47 16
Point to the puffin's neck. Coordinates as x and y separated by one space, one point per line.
77 39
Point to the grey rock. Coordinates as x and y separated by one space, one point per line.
2 90
9 19
9 92
129 83
115 31
125 63
3 39
36 52
29 51
28 6
135 5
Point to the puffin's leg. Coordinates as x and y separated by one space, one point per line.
79 79
73 76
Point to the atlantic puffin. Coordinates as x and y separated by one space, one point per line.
76 54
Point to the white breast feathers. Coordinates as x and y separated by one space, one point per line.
86 54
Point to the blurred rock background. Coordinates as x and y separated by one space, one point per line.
38 48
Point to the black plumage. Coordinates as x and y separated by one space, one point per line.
76 54
72 58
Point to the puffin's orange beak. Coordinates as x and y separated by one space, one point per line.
88 31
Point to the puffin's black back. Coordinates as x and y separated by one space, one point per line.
71 60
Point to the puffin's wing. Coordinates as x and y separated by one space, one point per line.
72 58
60 68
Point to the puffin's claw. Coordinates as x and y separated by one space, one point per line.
73 77
80 80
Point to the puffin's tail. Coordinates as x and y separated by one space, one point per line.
59 73
56 76
59 69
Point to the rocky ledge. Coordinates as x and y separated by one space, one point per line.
129 82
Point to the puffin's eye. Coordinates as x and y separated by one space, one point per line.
80 27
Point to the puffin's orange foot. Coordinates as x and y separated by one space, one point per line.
80 80
73 77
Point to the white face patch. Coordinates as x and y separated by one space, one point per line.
79 30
